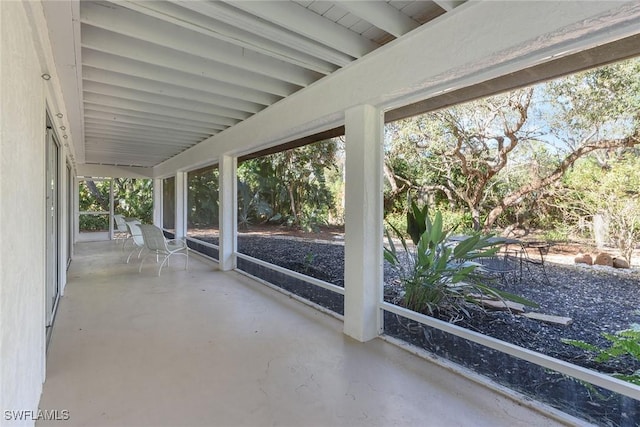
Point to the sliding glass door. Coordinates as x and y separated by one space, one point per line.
52 174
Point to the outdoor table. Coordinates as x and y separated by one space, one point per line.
541 249
513 250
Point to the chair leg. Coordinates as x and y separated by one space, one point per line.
129 257
165 260
142 262
133 251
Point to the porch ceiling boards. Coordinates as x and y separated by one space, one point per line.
159 77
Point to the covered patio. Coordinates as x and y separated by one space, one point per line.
205 347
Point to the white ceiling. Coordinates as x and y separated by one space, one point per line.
158 77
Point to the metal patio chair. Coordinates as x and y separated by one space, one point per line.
135 235
158 245
502 265
121 232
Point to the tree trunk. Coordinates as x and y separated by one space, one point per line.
104 203
293 205
540 183
475 216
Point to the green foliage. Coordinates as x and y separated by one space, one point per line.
251 206
501 159
91 223
290 187
603 101
559 233
609 188
458 221
94 195
396 220
417 219
625 342
133 198
439 277
203 208
309 258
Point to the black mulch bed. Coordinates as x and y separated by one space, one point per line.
599 300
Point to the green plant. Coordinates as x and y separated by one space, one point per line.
558 234
89 223
251 206
625 342
417 221
439 277
309 258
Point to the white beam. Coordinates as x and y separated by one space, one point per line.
126 156
228 225
167 119
185 18
118 161
130 129
231 16
414 68
120 46
131 146
138 137
168 94
125 127
449 5
153 123
134 68
382 15
114 171
363 221
303 21
60 22
155 111
186 40
124 96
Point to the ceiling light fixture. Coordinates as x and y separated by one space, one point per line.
59 115
65 136
63 128
46 76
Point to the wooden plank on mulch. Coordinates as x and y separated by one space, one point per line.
482 297
502 305
556 320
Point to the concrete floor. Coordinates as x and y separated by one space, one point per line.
206 348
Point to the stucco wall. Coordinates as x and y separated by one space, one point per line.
22 204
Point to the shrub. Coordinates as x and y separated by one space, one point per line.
625 342
437 276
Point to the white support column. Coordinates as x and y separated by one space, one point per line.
181 205
157 202
363 221
63 223
228 224
76 209
111 209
